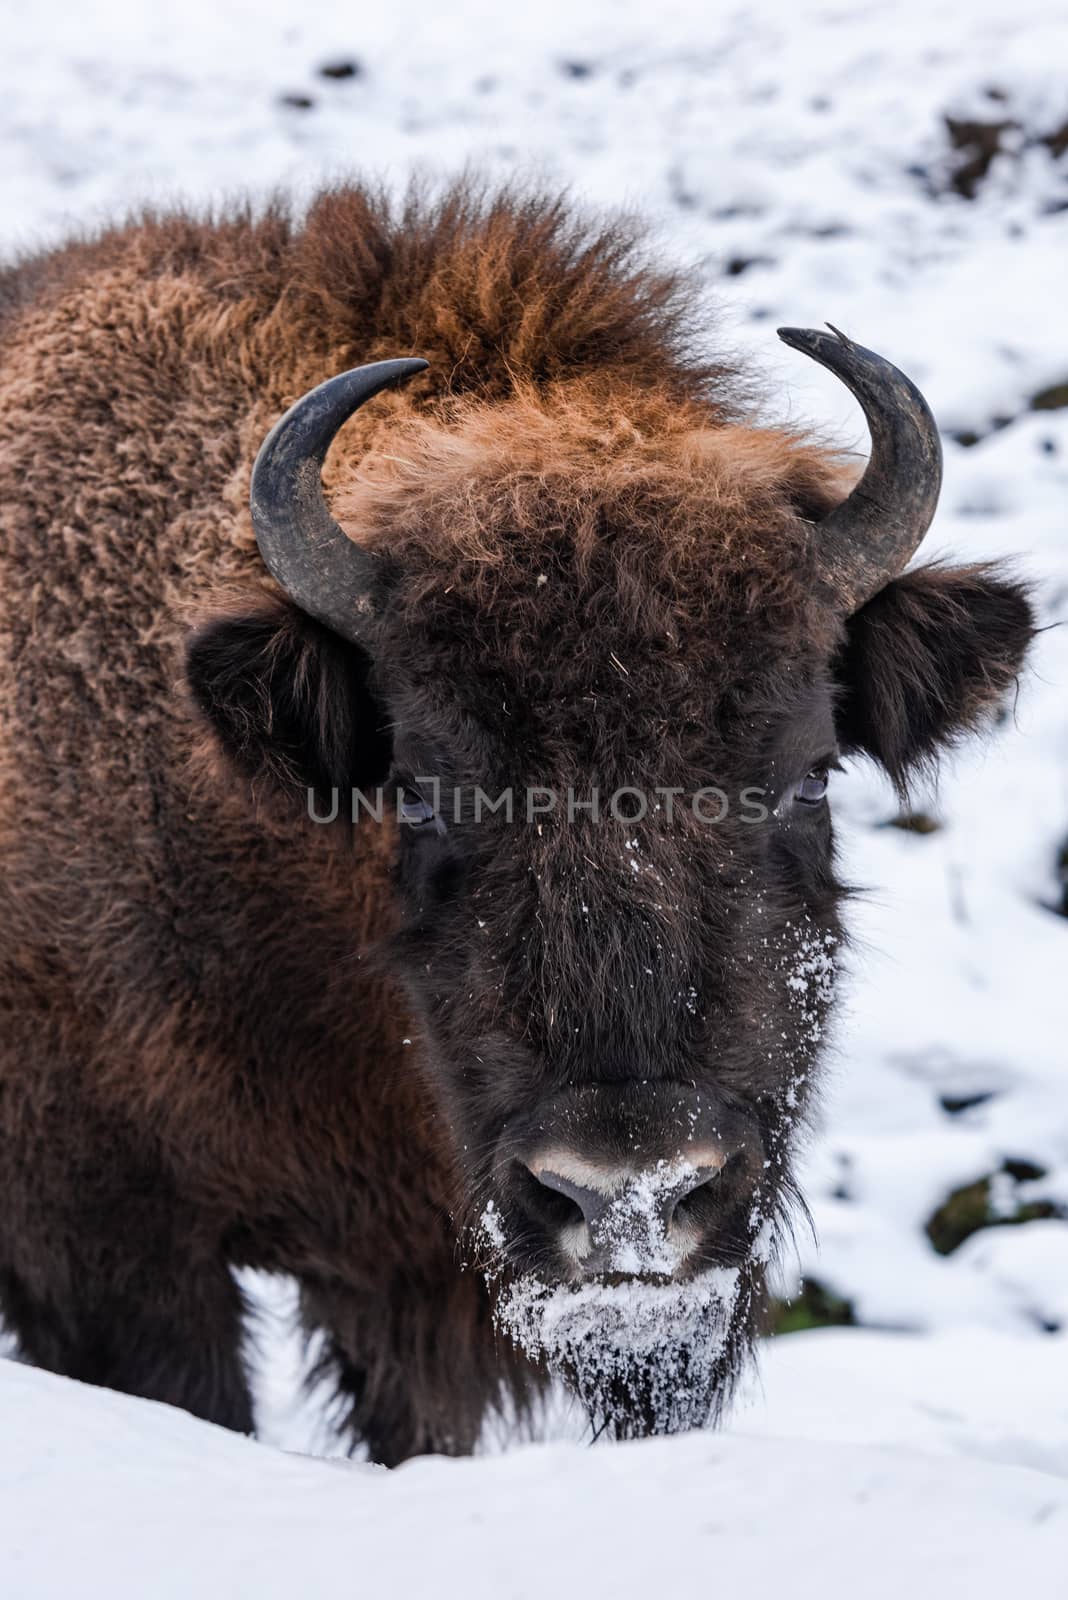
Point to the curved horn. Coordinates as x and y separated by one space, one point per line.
303 547
869 538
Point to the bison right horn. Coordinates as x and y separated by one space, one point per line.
318 566
871 536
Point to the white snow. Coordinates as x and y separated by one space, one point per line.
797 153
491 1226
103 1496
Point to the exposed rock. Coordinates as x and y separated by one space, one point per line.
739 264
972 436
990 1202
914 822
341 69
977 142
955 1104
1055 398
815 1307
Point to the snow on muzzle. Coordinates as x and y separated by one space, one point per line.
624 1179
620 1235
644 1358
627 1221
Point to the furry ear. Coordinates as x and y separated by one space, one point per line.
289 701
926 659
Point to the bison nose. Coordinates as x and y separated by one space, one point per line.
622 1218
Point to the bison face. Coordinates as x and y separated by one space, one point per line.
623 988
623 983
601 692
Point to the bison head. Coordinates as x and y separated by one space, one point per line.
605 649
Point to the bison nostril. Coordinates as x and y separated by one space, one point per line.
641 1220
620 1197
694 1204
552 1204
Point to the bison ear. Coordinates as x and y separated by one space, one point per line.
925 661
290 702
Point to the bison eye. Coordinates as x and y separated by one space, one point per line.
414 810
812 790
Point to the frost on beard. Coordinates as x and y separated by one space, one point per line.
643 1358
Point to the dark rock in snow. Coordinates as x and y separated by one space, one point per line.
978 1205
979 144
815 1307
1055 398
955 1104
739 264
914 822
341 69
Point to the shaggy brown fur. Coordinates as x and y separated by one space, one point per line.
605 575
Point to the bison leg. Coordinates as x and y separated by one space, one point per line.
106 1274
413 1368
149 1327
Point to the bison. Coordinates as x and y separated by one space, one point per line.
508 1069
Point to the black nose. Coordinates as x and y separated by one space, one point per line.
620 1218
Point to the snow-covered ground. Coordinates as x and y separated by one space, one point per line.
800 152
106 1496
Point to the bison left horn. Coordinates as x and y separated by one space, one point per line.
312 558
871 536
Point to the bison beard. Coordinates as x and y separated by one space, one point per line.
643 1358
642 1353
570 553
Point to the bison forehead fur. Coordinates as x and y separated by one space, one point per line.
235 1036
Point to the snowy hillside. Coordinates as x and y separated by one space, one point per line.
896 167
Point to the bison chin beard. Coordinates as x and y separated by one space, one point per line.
643 1358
